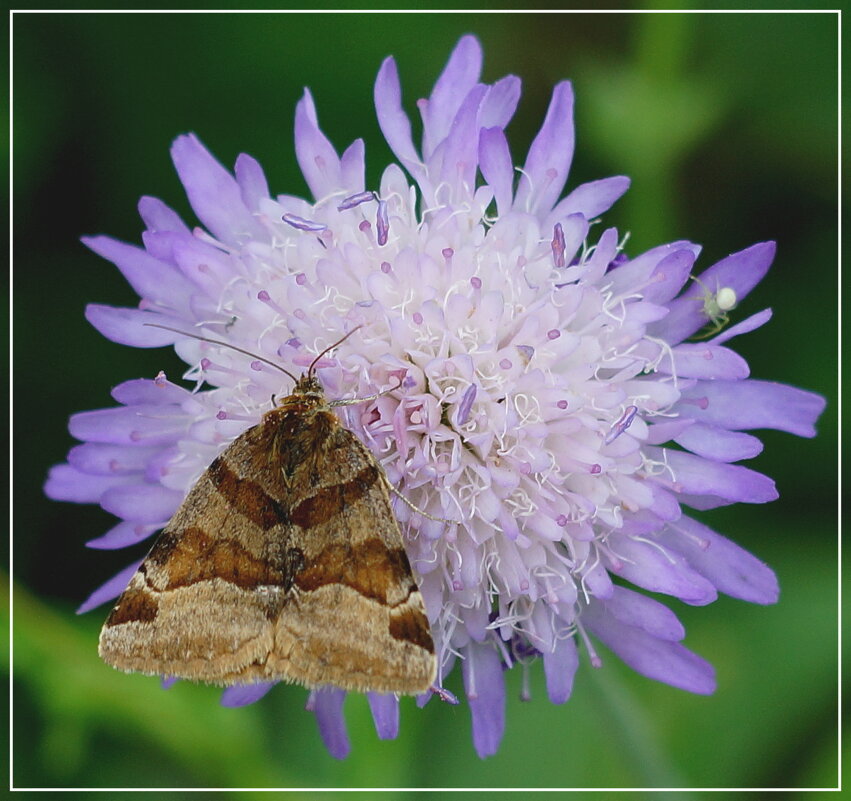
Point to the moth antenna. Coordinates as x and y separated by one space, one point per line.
311 369
226 345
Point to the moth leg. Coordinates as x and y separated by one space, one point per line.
353 401
417 508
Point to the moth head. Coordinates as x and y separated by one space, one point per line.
308 384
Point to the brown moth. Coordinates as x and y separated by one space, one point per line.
285 562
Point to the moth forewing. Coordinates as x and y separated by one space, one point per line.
284 562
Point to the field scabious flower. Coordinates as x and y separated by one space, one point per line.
551 402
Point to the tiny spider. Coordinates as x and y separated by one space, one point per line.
715 307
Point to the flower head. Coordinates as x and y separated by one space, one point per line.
551 404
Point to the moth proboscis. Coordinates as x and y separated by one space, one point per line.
284 562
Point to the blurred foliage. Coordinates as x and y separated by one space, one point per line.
727 125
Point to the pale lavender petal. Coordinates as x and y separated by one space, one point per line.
317 158
657 659
159 217
245 694
639 611
213 192
128 425
124 534
747 325
130 326
485 688
393 121
719 444
730 568
740 271
252 181
143 503
167 682
66 483
111 590
385 714
327 705
559 669
550 155
496 166
753 404
697 476
650 567
592 198
500 102
702 360
454 84
353 167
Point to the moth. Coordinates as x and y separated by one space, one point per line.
284 562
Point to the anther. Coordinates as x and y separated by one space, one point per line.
558 245
382 222
302 224
355 200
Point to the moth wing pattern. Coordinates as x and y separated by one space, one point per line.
284 562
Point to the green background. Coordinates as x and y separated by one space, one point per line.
727 125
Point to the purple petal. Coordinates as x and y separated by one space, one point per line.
730 568
353 167
702 360
740 271
466 404
245 694
111 590
159 217
592 198
753 404
640 270
316 156
651 568
549 156
128 326
638 611
452 87
385 714
559 669
144 391
128 425
213 193
496 167
500 102
124 534
485 688
748 324
697 476
393 121
669 276
462 143
167 682
143 503
327 705
66 483
105 459
662 660
252 182
719 444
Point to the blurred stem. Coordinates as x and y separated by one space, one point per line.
635 729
